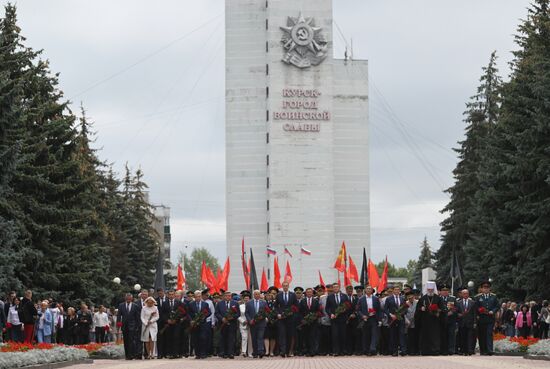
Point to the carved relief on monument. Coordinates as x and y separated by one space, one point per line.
303 42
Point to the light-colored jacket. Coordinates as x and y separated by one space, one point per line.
519 319
149 317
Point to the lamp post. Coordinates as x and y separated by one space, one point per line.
116 280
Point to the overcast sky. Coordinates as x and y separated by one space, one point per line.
151 77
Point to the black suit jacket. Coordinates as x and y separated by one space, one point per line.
304 309
280 304
390 306
192 310
331 306
221 310
466 315
131 320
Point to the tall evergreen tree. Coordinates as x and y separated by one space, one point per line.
515 185
480 117
425 260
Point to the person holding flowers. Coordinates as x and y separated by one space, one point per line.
198 311
284 303
370 312
310 312
338 308
486 305
149 317
256 312
428 310
395 309
227 313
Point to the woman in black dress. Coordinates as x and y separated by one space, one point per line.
270 335
70 327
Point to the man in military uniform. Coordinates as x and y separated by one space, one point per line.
486 304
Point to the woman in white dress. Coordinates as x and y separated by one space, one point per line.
149 317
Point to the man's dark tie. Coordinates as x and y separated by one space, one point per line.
198 306
286 298
338 299
128 307
171 304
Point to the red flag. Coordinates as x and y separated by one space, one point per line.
204 274
276 273
245 268
224 282
340 263
288 273
384 281
264 285
207 277
181 279
347 281
353 270
321 282
374 280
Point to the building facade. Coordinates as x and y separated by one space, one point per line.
161 223
297 163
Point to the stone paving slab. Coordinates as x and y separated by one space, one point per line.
379 362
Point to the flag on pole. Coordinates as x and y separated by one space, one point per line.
305 251
245 268
287 251
288 273
352 270
181 279
340 263
321 282
270 250
384 280
253 275
264 285
276 273
224 282
364 274
347 281
374 279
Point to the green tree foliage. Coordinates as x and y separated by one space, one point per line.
425 260
480 117
393 271
193 264
62 216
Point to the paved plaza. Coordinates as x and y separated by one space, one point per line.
380 362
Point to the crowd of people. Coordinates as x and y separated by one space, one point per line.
281 322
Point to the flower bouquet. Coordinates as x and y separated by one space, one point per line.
481 310
434 309
310 318
343 308
262 314
176 316
231 314
198 319
400 312
290 311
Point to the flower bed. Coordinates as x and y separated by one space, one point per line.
512 345
541 348
17 355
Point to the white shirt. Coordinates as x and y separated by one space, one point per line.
101 319
13 315
212 317
369 302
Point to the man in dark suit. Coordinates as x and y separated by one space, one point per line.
397 326
284 302
310 305
466 323
351 325
164 314
130 319
174 311
486 307
370 312
200 329
337 322
228 324
257 326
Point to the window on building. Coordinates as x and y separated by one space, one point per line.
267 227
267 91
267 115
267 182
267 137
267 160
267 205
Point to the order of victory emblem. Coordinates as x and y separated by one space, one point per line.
303 42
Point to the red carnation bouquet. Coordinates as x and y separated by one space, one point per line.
261 315
434 309
372 311
290 311
231 314
199 318
8 325
342 308
119 324
482 310
310 318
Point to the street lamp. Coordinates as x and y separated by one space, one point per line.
471 284
116 280
137 287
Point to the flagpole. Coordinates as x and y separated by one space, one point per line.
300 260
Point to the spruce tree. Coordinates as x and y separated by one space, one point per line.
515 185
480 118
425 260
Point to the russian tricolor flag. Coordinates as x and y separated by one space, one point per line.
305 251
270 251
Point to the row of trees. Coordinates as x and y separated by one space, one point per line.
498 218
68 225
